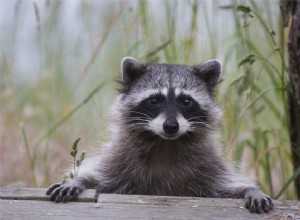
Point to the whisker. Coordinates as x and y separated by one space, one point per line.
197 117
142 113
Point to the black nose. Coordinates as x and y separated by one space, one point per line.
171 127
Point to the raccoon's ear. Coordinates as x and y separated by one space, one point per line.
210 72
131 69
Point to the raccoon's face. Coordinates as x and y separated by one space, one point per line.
169 100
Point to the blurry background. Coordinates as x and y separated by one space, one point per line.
59 61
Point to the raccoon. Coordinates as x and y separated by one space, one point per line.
164 140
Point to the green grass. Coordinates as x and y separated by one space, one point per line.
70 93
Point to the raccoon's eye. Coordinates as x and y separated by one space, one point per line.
187 102
154 101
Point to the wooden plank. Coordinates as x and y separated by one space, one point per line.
31 204
22 209
288 205
169 200
39 194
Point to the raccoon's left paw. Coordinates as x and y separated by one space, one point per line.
257 202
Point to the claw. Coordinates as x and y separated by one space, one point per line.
248 203
258 206
252 206
58 199
66 198
270 202
55 193
76 193
266 205
65 190
53 187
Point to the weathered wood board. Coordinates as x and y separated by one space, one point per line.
39 194
28 203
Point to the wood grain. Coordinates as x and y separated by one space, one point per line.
39 194
28 203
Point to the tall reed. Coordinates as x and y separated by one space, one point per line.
66 97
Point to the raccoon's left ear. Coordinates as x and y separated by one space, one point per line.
131 69
209 72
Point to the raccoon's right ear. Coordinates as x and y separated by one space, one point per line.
131 69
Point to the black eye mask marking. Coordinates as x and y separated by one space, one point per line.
190 109
148 109
151 107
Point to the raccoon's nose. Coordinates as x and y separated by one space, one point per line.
171 127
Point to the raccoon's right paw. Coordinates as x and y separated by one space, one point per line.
64 192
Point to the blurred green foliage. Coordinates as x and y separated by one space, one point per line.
58 73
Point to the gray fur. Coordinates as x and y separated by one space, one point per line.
136 161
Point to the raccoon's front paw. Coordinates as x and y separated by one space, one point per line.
64 192
257 202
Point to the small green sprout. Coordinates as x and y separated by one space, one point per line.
76 162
